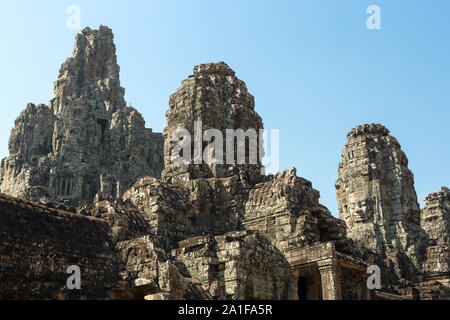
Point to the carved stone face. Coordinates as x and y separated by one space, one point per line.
361 209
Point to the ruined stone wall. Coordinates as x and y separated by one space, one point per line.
353 286
237 265
286 209
151 275
175 212
87 140
38 244
377 200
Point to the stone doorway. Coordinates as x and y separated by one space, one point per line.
323 272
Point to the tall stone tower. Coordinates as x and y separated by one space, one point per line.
87 140
214 98
378 202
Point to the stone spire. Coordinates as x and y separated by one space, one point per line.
377 199
217 98
87 140
92 72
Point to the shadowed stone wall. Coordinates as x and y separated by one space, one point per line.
38 244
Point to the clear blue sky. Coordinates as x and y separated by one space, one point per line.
314 68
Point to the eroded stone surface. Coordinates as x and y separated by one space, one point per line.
201 231
87 140
378 202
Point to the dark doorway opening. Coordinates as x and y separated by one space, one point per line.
103 123
302 288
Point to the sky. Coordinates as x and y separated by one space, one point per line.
315 68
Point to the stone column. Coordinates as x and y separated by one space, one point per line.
366 295
330 278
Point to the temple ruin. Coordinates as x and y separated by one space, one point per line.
87 184
86 140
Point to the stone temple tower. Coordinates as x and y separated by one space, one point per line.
87 140
435 221
214 96
377 199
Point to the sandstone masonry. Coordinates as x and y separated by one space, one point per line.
200 231
378 202
87 140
